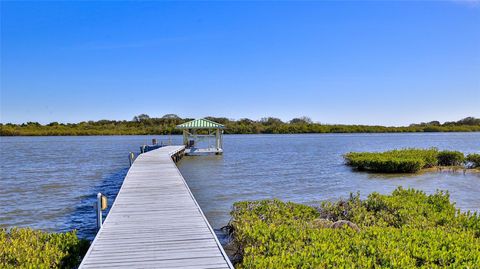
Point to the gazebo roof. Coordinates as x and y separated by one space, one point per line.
200 124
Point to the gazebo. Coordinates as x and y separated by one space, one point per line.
198 135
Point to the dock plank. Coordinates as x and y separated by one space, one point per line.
155 222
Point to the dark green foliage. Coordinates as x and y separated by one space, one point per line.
450 158
27 248
273 212
465 121
144 124
407 229
302 120
474 160
470 121
404 207
141 117
394 161
409 160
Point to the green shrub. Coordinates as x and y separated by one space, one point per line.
394 161
407 229
27 248
450 158
407 160
474 160
404 207
273 211
373 247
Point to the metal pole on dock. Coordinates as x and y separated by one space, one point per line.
102 204
99 211
131 157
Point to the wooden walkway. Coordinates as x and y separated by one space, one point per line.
155 222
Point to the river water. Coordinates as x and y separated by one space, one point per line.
51 182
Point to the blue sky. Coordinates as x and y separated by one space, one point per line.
354 62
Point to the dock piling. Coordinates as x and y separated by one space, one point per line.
131 157
99 211
100 206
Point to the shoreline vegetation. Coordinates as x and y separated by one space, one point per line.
406 229
146 125
28 248
412 160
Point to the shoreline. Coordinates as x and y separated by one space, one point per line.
449 169
248 134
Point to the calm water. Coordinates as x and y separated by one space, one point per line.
51 182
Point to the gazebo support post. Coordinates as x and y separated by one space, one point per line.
185 138
217 139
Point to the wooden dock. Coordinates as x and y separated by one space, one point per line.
155 221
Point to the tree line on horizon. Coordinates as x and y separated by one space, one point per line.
165 125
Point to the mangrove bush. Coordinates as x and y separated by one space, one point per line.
27 248
393 161
473 160
409 160
450 158
407 229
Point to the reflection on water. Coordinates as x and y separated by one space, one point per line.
51 182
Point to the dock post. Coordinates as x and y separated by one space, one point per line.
131 157
99 211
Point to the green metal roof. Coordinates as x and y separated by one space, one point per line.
200 124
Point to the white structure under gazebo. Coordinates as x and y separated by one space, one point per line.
202 136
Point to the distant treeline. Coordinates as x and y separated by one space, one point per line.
145 125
